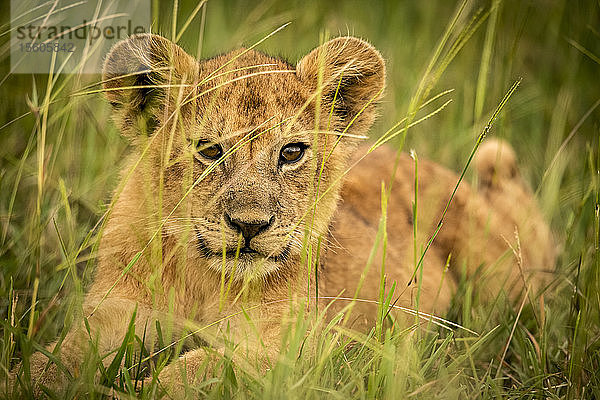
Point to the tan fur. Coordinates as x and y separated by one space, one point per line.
165 101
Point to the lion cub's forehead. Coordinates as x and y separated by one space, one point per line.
246 90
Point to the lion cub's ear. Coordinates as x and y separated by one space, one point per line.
141 76
354 70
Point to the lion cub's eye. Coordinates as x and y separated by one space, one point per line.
292 153
209 150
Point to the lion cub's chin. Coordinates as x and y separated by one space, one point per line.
247 267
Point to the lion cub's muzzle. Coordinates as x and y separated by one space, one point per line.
248 229
250 235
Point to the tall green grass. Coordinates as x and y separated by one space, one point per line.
55 188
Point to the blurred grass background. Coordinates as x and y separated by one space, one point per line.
552 121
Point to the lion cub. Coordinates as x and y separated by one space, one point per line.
238 188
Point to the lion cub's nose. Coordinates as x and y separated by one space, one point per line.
248 229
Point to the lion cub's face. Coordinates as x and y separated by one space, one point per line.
246 151
255 202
